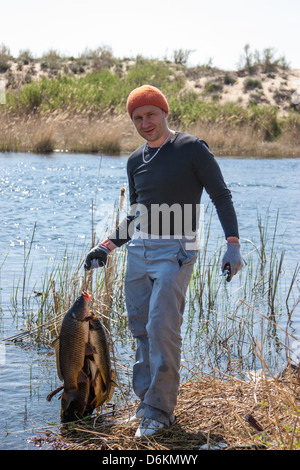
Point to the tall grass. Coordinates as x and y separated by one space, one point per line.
96 91
104 88
60 100
220 321
240 330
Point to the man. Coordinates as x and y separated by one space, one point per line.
166 176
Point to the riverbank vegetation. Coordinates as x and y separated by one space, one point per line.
240 377
79 104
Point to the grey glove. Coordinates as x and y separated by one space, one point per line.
96 257
232 261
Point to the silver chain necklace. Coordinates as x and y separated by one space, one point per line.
151 158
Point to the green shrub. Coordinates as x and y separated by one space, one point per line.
265 60
251 84
105 89
25 57
95 91
265 118
155 73
30 97
51 61
181 56
229 79
4 58
44 143
213 87
189 109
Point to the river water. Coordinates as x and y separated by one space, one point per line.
56 194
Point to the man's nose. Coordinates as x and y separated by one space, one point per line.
145 122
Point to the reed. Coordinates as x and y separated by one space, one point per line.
233 342
257 129
223 413
44 143
112 133
216 311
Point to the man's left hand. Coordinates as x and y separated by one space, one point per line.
232 258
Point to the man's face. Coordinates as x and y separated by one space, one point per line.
151 123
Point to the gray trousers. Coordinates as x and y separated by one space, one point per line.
157 277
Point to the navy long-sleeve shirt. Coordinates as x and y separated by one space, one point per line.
175 179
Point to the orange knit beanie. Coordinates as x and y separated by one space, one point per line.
146 95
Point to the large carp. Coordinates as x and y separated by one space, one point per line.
71 348
74 404
102 377
83 362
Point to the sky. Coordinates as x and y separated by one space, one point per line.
214 31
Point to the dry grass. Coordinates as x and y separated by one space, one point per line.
212 409
66 132
112 134
262 121
244 141
211 413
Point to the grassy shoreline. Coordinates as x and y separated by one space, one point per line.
80 105
240 387
114 134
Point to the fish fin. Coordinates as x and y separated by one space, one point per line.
69 406
82 377
56 345
53 344
113 384
89 349
104 380
89 317
93 318
54 392
93 369
94 379
114 378
86 318
99 399
111 392
110 384
94 402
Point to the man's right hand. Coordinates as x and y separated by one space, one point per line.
96 257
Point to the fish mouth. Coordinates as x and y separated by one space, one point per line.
86 296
